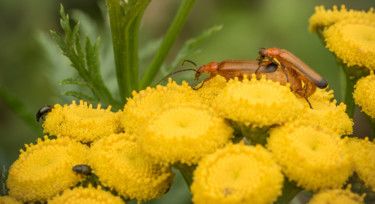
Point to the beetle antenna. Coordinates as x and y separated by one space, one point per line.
182 70
190 62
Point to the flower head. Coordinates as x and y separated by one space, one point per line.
45 169
258 102
120 165
324 18
326 114
311 156
363 154
170 136
364 94
337 196
81 122
237 174
353 41
148 102
86 196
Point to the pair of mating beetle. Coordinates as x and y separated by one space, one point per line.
302 79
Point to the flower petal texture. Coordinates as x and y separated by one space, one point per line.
8 200
184 134
311 156
258 102
364 94
45 169
363 154
86 196
120 165
237 174
81 122
342 196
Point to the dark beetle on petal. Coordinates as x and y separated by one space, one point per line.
42 111
82 169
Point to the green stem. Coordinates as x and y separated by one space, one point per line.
348 94
187 172
166 45
290 190
125 18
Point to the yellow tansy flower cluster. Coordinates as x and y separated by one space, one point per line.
131 151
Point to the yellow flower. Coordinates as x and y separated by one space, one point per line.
120 165
45 169
148 102
364 94
184 133
314 158
212 88
363 154
81 122
8 200
258 102
323 18
353 41
237 174
337 196
87 195
326 114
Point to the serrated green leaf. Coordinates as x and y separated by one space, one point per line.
59 40
80 95
69 81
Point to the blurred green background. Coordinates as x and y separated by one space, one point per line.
31 70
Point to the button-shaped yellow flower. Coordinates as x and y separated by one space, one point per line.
337 196
237 174
184 133
89 195
326 114
364 94
45 169
363 154
323 18
258 102
311 156
148 102
120 165
353 41
81 122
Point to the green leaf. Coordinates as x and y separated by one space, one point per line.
70 81
81 96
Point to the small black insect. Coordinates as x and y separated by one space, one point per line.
42 111
82 169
